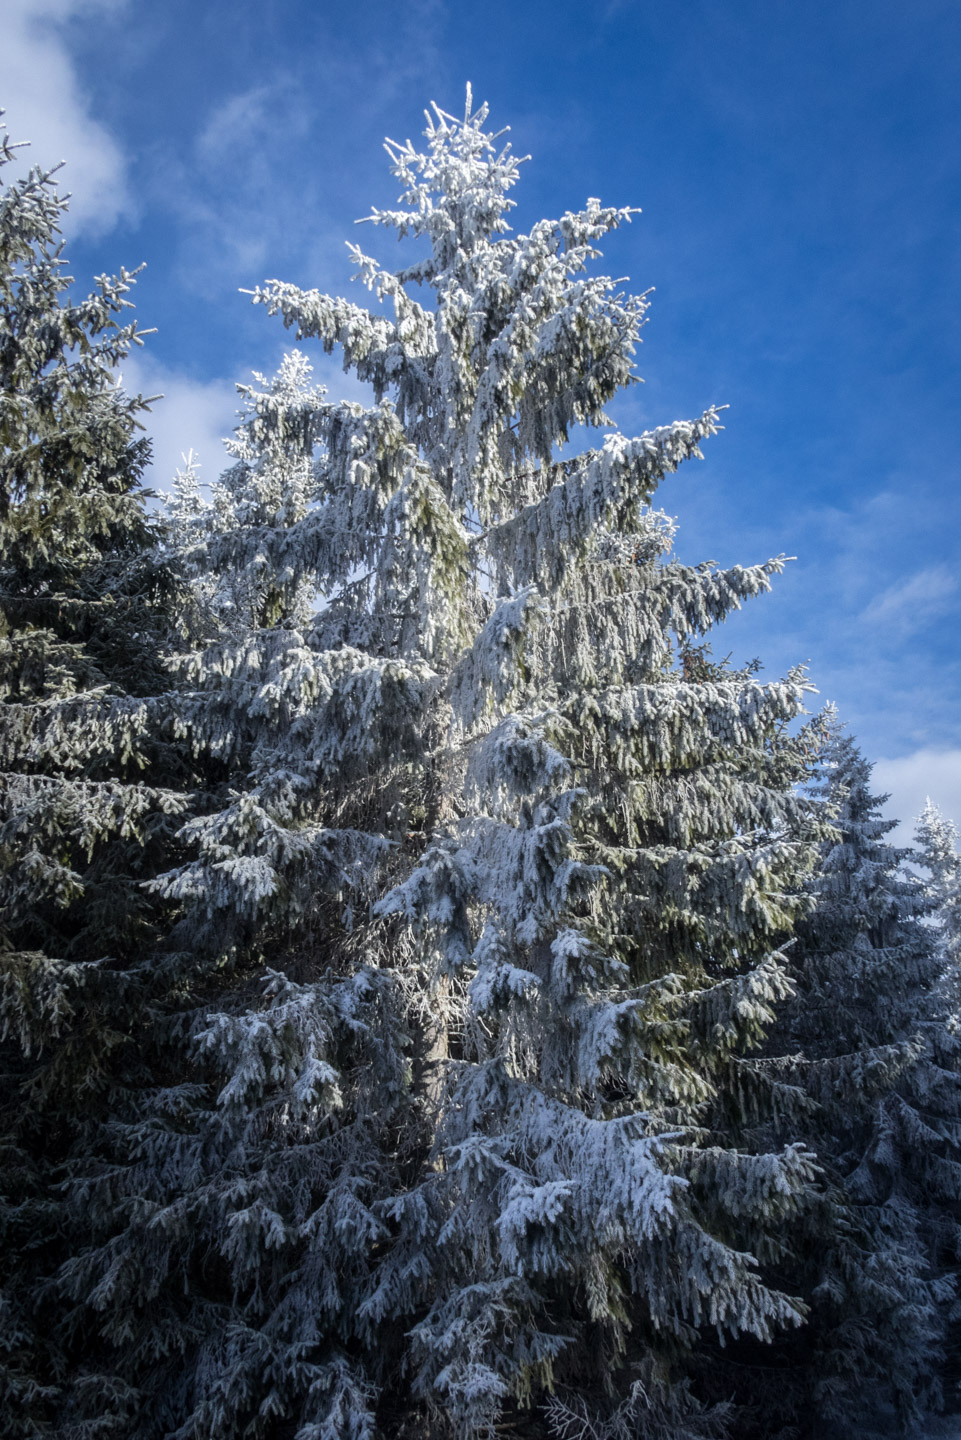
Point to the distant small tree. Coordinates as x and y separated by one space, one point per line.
90 795
937 846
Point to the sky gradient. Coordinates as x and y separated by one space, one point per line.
799 172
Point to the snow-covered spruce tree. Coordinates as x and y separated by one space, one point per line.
866 1037
86 805
496 887
936 841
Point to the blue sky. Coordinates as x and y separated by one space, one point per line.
799 171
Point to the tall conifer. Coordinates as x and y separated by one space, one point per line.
867 1038
496 884
89 794
463 1102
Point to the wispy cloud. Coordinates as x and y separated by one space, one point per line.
871 602
243 126
913 601
276 170
231 190
46 105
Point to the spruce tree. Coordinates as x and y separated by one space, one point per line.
89 798
937 846
867 1039
465 1106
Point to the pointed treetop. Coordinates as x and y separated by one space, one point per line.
457 190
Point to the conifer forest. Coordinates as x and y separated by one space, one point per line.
439 998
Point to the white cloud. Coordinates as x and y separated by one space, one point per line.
231 190
193 415
914 601
44 105
243 125
912 779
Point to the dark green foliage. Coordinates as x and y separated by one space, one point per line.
867 1042
89 792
